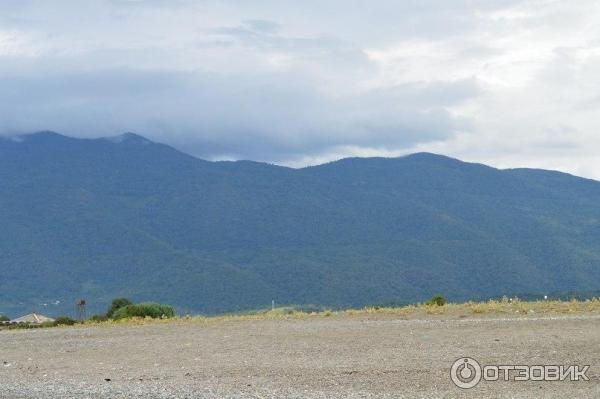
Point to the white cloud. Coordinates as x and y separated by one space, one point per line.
504 82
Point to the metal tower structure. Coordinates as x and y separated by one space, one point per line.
80 309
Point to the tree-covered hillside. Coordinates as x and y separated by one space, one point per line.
128 217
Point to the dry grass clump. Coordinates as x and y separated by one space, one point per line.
276 314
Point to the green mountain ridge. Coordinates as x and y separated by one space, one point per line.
124 216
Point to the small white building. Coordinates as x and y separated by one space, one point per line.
32 318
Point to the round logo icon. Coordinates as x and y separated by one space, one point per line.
465 373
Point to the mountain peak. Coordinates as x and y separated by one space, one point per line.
430 157
42 135
385 162
129 138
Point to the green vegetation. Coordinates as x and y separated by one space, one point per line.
122 308
155 313
436 300
99 318
59 321
99 219
514 308
64 321
4 318
147 309
117 304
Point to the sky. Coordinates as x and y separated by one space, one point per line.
506 83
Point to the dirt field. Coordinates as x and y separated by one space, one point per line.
379 356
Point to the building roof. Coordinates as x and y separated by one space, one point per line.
32 318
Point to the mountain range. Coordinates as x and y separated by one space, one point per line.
125 216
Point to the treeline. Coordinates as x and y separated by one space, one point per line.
123 308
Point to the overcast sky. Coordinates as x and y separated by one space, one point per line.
508 83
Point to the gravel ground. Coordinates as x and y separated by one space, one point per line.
320 357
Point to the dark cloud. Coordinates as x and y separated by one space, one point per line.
284 81
250 89
267 117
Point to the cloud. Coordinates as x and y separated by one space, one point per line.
504 82
213 116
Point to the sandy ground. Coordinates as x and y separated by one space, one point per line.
320 357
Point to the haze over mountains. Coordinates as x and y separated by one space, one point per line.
129 217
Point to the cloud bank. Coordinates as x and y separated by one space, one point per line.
512 83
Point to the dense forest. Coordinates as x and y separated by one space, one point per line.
124 216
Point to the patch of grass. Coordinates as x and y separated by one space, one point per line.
147 309
514 307
64 321
59 321
99 318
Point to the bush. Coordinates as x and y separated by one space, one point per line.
117 304
148 309
4 318
436 300
64 321
99 318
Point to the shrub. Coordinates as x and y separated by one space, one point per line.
436 300
4 318
64 321
99 318
117 304
147 309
